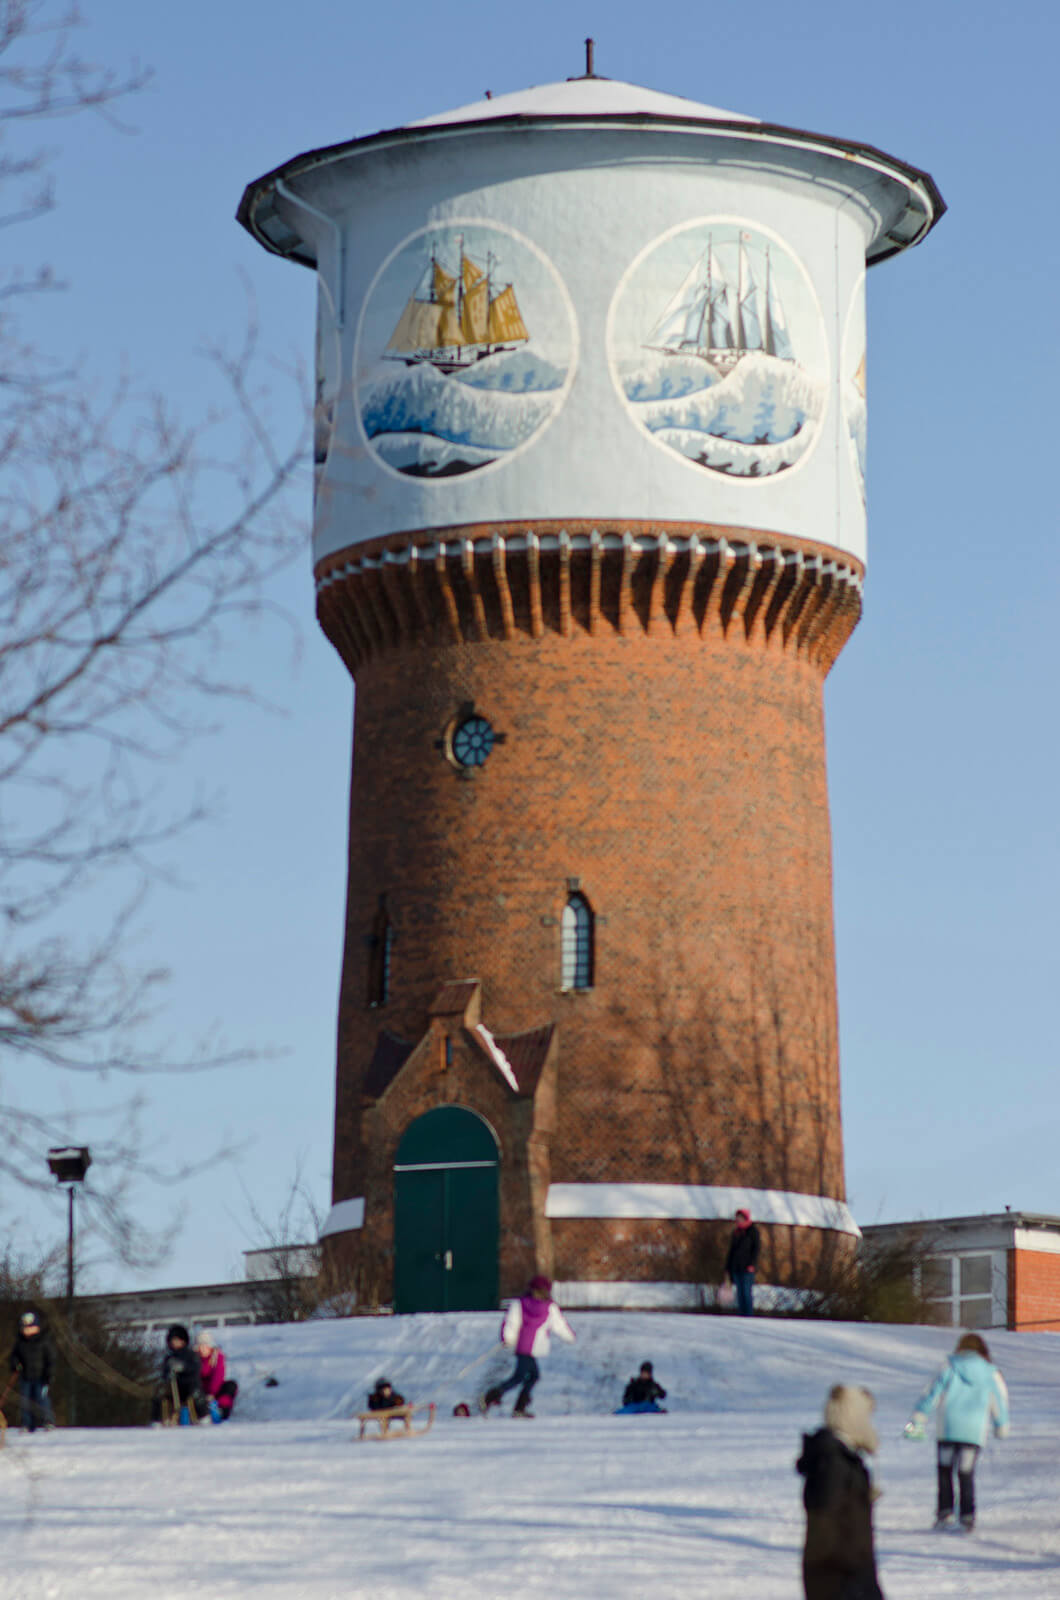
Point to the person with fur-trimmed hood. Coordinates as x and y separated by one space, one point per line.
528 1324
839 1560
971 1397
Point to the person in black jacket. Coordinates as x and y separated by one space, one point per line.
383 1396
31 1360
741 1261
179 1381
839 1561
642 1392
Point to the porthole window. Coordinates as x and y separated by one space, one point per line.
468 740
473 739
576 942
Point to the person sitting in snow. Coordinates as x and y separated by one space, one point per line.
642 1393
527 1324
179 1382
384 1396
839 1560
971 1396
220 1392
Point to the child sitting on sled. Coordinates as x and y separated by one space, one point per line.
642 1393
384 1396
179 1381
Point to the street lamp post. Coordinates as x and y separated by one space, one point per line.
68 1165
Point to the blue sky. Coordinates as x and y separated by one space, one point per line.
941 717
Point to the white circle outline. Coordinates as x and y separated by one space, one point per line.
561 397
697 466
860 476
321 467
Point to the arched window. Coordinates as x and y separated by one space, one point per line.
380 943
576 942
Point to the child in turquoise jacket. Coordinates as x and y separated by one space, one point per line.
971 1397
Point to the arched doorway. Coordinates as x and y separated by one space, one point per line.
446 1213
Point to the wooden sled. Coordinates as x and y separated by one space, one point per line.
172 1405
395 1422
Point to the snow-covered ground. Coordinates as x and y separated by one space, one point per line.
283 1502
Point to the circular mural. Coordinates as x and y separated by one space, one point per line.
465 350
852 371
717 346
328 368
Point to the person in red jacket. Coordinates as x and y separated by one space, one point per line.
220 1391
526 1328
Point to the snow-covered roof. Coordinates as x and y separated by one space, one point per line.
582 97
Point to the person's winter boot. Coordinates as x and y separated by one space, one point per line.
521 1408
944 1519
492 1397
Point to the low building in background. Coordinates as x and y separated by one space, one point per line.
999 1270
254 1298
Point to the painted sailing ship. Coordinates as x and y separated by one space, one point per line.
722 315
452 320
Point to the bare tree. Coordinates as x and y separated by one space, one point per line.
130 543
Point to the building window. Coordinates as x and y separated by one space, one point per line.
468 740
576 944
380 945
962 1290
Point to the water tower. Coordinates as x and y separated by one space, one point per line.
589 534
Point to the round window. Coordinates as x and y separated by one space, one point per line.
472 741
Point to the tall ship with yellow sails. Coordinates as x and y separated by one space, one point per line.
453 319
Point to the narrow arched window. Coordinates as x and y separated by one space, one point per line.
380 943
576 942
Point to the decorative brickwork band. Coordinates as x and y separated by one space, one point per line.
527 579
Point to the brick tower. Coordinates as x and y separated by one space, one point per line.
589 534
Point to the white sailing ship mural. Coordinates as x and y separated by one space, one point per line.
464 353
718 348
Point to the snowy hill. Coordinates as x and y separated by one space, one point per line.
577 1504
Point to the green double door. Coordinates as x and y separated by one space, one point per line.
446 1214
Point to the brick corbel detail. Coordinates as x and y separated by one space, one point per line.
500 581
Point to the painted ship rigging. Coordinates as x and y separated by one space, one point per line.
721 314
454 319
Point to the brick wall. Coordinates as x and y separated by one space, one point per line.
1034 1290
670 762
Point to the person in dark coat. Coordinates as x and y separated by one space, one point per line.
31 1362
642 1392
839 1559
384 1396
180 1378
741 1261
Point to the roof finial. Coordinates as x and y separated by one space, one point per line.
589 73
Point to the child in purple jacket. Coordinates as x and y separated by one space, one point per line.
528 1323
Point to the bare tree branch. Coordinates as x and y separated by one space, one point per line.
131 544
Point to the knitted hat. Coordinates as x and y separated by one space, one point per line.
28 1319
540 1284
206 1338
178 1331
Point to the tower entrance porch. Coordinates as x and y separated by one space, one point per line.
446 1213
